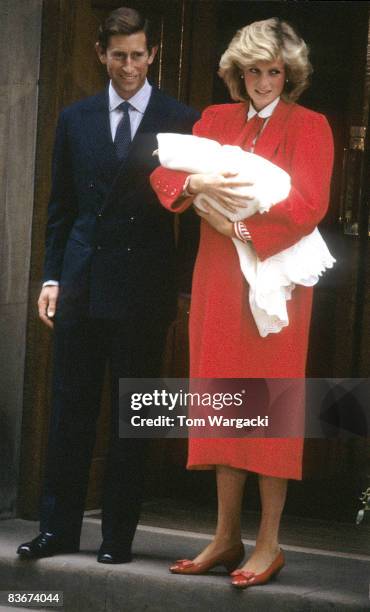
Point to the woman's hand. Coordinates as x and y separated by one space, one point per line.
218 221
221 187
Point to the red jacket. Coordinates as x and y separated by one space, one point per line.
296 139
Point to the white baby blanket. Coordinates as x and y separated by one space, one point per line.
271 281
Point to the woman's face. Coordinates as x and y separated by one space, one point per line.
264 81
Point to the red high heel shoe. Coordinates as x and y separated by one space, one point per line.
230 559
245 578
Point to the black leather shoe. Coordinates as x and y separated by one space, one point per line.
44 546
108 554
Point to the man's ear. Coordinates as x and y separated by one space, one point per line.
100 53
152 54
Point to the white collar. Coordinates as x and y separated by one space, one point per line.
139 101
265 112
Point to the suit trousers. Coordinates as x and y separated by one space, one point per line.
83 348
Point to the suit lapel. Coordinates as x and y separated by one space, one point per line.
153 121
96 127
139 161
154 115
99 144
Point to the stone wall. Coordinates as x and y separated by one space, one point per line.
20 34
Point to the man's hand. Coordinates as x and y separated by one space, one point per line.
47 304
218 221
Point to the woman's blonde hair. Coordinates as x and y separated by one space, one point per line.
267 41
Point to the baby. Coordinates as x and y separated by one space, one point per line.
272 281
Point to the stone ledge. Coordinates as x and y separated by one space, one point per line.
309 582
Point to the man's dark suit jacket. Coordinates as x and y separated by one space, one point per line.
109 242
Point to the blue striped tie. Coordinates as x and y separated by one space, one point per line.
122 138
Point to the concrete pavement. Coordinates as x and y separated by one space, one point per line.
313 580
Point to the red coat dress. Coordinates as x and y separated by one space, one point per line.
224 341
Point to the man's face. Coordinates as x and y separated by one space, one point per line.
127 60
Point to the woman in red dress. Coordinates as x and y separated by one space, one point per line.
266 68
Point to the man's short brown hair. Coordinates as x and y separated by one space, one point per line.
125 21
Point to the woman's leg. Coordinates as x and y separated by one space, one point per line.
273 494
230 488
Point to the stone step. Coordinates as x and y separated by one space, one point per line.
313 580
10 608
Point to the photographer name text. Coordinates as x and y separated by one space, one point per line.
210 421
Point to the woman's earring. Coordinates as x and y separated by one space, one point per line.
242 76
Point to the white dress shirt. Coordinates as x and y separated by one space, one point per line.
138 105
266 112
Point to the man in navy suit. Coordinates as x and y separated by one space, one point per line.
109 290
